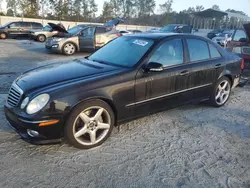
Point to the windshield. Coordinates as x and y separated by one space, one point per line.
47 28
5 25
74 30
168 28
123 51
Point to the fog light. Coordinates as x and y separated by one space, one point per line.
32 133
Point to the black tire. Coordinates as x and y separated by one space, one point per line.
65 52
213 101
3 35
69 126
41 38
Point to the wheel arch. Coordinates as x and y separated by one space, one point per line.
227 74
72 42
104 99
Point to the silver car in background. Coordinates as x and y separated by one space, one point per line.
42 35
89 37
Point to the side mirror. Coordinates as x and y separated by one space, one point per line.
243 40
8 26
153 67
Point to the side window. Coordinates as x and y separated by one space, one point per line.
214 52
88 32
36 25
26 24
100 30
15 25
239 34
198 50
168 54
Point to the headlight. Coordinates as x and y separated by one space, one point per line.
25 102
37 103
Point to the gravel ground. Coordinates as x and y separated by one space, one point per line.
193 146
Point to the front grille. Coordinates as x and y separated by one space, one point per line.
15 94
246 50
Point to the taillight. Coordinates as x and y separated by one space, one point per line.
242 64
118 34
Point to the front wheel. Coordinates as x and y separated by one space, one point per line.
89 124
41 38
69 48
221 92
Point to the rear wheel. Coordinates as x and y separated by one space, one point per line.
89 124
69 48
41 38
3 35
221 92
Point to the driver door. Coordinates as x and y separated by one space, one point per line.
87 39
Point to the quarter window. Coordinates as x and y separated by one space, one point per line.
214 52
198 50
168 54
239 34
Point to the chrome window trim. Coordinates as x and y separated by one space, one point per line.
162 96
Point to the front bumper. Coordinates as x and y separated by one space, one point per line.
47 135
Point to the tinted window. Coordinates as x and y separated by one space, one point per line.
25 24
168 54
239 34
198 50
116 52
214 52
15 25
100 30
75 30
37 25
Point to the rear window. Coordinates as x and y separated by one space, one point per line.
198 50
123 51
239 34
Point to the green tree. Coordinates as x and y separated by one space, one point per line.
127 8
166 7
13 5
145 7
92 8
107 11
199 8
216 7
10 12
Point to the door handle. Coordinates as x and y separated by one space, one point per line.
217 66
184 73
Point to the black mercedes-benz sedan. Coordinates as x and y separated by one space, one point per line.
130 77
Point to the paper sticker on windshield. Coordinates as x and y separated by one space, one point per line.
140 42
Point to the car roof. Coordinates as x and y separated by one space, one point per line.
159 36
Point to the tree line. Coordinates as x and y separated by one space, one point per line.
143 12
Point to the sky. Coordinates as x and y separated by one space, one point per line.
178 5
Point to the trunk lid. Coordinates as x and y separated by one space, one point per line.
58 28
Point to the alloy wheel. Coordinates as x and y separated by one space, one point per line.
3 36
91 126
69 48
222 92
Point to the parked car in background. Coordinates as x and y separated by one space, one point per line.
18 29
222 38
213 33
135 31
44 33
125 32
177 28
130 77
153 30
240 44
87 37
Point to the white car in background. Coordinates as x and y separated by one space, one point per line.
43 34
222 38
125 32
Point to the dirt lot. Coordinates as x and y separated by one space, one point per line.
192 146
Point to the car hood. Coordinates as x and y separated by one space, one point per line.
68 71
58 28
247 29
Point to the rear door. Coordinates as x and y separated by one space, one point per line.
25 28
87 39
100 37
206 66
36 26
